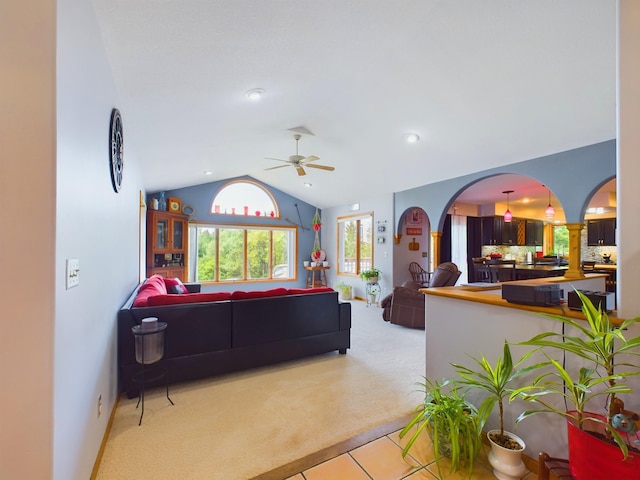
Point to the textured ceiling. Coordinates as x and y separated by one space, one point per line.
484 83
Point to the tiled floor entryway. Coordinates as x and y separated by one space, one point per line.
381 459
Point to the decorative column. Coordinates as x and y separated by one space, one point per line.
436 242
575 269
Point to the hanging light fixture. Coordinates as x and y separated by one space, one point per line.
508 216
550 212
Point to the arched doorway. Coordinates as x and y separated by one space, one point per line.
411 243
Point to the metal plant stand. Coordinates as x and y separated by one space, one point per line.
150 345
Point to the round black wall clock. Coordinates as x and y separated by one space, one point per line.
116 141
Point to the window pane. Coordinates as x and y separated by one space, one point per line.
206 264
366 243
257 254
282 244
348 246
560 239
231 254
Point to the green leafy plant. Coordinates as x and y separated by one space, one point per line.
344 288
452 423
494 380
599 343
372 272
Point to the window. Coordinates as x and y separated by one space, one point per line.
355 243
560 240
244 197
228 253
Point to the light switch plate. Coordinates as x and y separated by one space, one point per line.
73 273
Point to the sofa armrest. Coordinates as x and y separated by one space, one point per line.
193 287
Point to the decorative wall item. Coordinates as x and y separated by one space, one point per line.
413 245
116 150
414 231
414 217
382 231
317 254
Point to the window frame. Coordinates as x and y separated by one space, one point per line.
340 242
245 228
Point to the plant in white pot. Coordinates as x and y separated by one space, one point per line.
345 291
371 275
597 447
506 447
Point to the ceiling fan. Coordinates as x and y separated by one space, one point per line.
298 161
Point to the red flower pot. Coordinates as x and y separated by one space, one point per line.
591 458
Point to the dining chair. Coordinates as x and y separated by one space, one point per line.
588 265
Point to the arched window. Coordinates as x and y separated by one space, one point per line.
244 197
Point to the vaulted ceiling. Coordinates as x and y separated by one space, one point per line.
484 84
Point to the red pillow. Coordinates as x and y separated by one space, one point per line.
299 291
274 292
159 300
152 287
174 285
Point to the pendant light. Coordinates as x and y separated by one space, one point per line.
550 212
508 216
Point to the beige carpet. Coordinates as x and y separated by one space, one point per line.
237 426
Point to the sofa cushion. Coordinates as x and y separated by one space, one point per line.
274 292
153 286
174 285
159 300
301 291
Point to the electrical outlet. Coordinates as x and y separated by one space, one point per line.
99 404
73 273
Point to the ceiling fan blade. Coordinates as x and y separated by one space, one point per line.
322 167
279 166
310 158
301 171
278 160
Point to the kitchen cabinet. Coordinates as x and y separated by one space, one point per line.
534 231
495 231
166 244
601 232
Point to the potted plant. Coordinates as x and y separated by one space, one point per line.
598 343
345 291
506 448
452 423
371 275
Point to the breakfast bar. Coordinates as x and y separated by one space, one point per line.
474 320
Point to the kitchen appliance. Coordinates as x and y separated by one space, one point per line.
531 293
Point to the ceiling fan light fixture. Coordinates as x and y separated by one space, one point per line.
254 94
508 216
411 137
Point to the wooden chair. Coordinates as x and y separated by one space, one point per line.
501 271
419 274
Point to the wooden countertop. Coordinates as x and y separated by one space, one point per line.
472 293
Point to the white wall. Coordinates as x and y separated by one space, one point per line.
95 225
58 347
381 206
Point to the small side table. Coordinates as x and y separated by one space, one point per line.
372 292
321 280
150 346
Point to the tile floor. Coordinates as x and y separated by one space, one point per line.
381 459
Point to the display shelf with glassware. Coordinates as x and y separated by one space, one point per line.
166 244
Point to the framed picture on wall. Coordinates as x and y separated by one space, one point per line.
414 217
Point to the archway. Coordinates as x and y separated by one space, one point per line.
412 243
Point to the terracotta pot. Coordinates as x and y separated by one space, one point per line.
507 464
591 457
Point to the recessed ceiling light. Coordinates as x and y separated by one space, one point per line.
254 94
208 172
307 184
411 137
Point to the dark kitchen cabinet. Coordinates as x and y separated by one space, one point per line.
534 232
601 232
495 231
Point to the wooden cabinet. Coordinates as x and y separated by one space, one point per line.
495 231
534 231
167 237
601 232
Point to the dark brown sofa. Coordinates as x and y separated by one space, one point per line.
215 337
